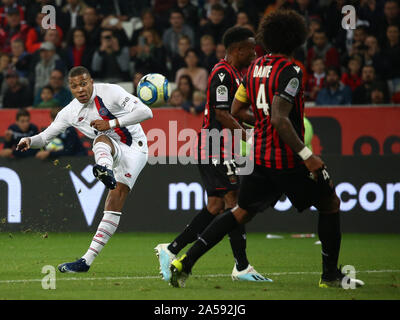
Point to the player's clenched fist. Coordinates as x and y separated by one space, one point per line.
24 144
100 125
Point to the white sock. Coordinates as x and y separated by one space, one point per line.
105 230
102 154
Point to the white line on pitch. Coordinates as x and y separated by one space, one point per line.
196 276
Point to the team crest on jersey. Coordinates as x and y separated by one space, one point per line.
222 93
292 87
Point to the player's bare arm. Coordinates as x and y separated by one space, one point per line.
280 120
241 110
229 122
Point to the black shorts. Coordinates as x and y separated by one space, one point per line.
265 186
219 178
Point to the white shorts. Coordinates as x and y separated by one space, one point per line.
128 162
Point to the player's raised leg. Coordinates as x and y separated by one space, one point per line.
104 151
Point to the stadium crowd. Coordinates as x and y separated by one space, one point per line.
122 40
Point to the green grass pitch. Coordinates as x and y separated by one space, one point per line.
127 268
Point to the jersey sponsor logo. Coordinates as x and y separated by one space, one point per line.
222 93
221 76
128 175
125 102
80 119
292 87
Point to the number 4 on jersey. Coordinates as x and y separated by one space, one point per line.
261 101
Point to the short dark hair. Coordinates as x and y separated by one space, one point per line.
333 69
282 31
48 87
78 71
218 7
22 113
236 34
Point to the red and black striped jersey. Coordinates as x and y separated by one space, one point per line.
267 77
223 82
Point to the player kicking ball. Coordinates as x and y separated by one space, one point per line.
219 176
283 164
111 117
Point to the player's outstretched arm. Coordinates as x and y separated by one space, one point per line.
280 120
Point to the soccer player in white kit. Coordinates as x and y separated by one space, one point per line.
111 116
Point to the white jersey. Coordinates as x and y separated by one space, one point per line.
108 102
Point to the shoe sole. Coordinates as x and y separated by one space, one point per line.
100 175
166 277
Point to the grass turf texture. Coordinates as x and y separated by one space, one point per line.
127 268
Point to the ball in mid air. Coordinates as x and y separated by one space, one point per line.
153 90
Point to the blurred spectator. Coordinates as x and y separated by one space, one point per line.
377 96
111 61
176 99
307 8
148 23
91 24
373 55
190 12
123 10
78 52
206 13
275 5
60 92
151 54
198 74
362 94
207 56
54 36
35 36
391 56
178 59
49 61
335 92
20 59
391 16
73 12
20 129
242 19
352 76
185 86
197 105
12 30
220 51
358 45
18 94
10 5
47 98
322 48
65 144
4 65
315 80
178 28
136 79
216 26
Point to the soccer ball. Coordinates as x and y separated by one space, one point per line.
55 145
153 89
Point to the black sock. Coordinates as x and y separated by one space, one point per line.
214 233
237 238
192 231
330 235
